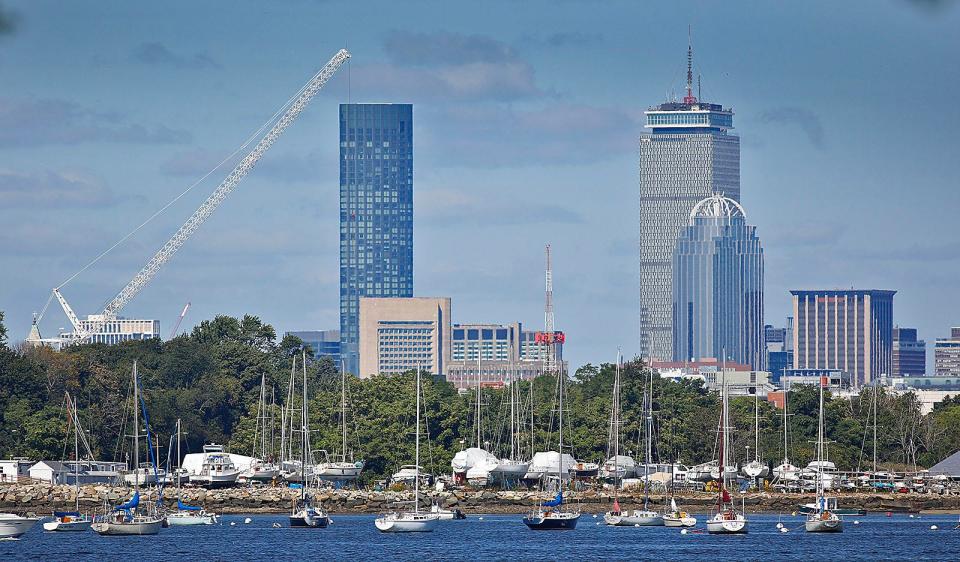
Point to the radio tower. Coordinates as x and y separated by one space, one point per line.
548 316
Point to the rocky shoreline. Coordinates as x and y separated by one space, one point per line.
43 498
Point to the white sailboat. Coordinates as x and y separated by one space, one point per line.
187 514
72 520
416 520
262 468
306 512
550 515
638 517
822 520
786 472
512 468
756 468
342 470
130 518
727 520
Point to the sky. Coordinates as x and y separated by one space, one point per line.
526 118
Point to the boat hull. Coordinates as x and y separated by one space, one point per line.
183 520
555 522
68 526
418 525
727 526
824 525
151 527
13 528
215 481
634 520
309 521
673 521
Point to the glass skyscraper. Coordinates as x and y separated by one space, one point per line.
376 212
687 155
718 286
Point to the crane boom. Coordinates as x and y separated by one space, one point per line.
168 250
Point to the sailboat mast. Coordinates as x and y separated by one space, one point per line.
479 443
648 398
136 433
874 428
756 426
179 462
305 440
416 481
343 410
820 448
560 381
76 447
786 396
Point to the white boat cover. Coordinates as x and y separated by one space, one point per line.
548 462
473 457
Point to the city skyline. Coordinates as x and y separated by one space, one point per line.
502 157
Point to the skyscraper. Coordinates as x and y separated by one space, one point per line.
718 286
687 155
849 330
376 212
909 353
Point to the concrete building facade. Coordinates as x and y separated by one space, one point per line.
500 353
323 343
848 330
118 329
946 355
402 334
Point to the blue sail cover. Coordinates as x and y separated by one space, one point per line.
134 502
558 500
62 514
184 507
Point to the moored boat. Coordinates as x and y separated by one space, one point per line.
822 520
13 526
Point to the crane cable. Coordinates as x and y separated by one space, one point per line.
246 143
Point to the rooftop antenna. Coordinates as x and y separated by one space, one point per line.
689 99
699 86
548 325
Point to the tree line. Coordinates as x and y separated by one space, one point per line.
210 379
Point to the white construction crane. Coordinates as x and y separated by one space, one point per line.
140 280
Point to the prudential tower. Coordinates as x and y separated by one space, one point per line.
687 154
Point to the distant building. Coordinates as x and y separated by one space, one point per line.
376 211
506 352
779 349
718 286
689 153
909 353
847 330
323 343
117 329
740 378
402 334
12 470
836 379
946 355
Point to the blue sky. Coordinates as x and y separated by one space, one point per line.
526 118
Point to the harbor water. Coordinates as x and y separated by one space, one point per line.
499 537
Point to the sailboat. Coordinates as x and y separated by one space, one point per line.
822 520
72 520
727 520
342 470
756 468
675 517
638 517
262 468
511 468
187 514
545 517
416 520
786 472
305 512
130 518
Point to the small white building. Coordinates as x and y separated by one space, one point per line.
87 472
11 470
48 471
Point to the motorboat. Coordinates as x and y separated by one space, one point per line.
633 518
13 526
447 514
408 474
218 470
260 471
586 469
144 475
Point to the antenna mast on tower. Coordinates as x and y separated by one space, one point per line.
690 97
548 326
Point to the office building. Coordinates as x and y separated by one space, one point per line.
322 343
909 353
848 330
740 378
688 154
500 353
946 355
376 211
779 348
401 334
117 329
718 286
